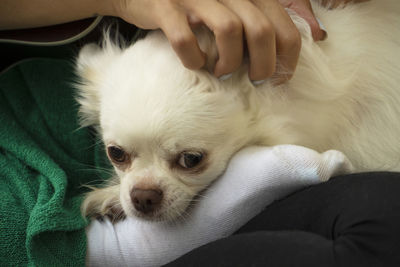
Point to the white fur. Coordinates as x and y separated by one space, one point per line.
344 95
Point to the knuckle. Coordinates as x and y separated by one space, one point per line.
182 41
231 26
291 41
262 31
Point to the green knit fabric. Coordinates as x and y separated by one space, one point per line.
44 161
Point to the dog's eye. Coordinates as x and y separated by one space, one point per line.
117 154
190 159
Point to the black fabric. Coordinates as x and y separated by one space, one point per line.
14 52
351 220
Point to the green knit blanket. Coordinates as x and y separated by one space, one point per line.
44 161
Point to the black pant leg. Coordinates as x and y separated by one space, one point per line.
352 220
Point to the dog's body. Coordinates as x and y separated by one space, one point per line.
344 95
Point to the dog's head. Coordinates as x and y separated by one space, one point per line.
168 131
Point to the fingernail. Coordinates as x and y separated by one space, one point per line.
225 77
255 83
323 29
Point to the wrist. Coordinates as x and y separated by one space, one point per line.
110 7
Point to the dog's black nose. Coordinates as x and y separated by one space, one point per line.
146 200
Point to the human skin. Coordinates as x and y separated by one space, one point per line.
264 25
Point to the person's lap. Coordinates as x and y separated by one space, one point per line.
351 220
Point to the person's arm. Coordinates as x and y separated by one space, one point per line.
264 24
254 178
29 14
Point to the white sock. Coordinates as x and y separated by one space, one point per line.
255 177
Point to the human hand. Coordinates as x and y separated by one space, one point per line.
264 24
336 3
303 9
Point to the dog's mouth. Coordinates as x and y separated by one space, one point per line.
169 211
152 216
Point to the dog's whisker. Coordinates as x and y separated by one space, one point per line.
96 142
98 184
98 171
92 166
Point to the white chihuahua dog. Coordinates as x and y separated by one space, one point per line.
170 131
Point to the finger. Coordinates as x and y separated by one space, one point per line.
260 38
193 20
227 29
304 9
336 3
288 39
183 41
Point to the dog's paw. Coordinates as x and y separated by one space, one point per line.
114 214
103 202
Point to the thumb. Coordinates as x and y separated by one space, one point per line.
303 9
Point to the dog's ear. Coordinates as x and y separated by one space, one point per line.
88 59
91 64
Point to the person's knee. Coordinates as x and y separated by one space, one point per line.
376 194
368 225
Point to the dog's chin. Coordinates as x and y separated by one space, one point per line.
167 215
152 216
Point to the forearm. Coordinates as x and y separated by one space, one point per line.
15 14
